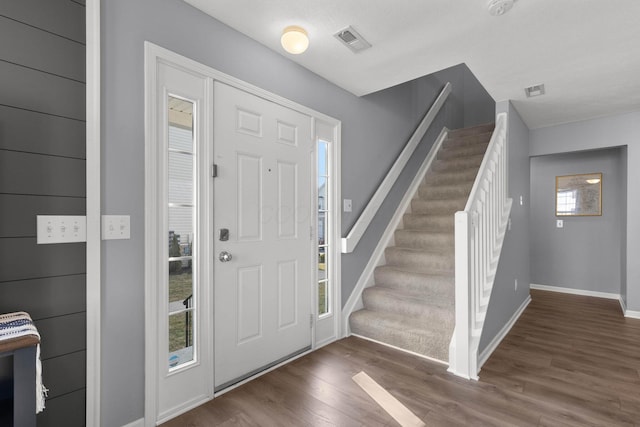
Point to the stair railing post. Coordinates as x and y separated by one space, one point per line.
459 360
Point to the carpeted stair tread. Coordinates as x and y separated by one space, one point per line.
402 331
412 304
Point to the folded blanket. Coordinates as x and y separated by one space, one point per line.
19 324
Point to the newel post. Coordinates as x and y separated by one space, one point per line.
459 350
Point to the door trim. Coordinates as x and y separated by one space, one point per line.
92 405
153 55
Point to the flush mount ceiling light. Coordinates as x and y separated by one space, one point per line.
294 39
499 7
593 180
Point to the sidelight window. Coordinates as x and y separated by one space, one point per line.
181 220
324 224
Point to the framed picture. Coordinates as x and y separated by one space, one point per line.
579 195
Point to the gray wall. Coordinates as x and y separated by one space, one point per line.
514 259
479 107
614 131
585 253
374 130
42 171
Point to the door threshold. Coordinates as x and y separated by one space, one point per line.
230 385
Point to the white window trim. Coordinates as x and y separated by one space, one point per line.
153 55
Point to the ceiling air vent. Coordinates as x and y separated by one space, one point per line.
351 39
536 90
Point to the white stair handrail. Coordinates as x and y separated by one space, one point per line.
479 234
357 231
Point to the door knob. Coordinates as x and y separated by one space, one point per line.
225 256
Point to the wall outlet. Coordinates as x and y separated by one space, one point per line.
61 229
559 223
116 227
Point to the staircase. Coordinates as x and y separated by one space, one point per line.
411 305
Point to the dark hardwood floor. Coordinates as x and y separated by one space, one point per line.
569 361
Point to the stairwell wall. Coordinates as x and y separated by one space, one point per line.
506 298
479 106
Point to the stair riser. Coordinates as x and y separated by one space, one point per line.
382 302
454 142
462 151
420 240
415 283
444 191
419 261
475 130
444 178
437 207
429 223
434 346
453 165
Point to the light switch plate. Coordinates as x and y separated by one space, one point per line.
346 205
559 223
116 227
61 229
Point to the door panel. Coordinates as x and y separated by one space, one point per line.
263 196
249 191
287 290
287 200
249 313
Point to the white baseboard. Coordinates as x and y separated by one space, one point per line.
632 314
623 306
366 278
136 423
572 291
627 313
495 342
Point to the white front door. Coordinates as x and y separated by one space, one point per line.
262 219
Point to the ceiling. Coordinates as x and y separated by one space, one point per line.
586 52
